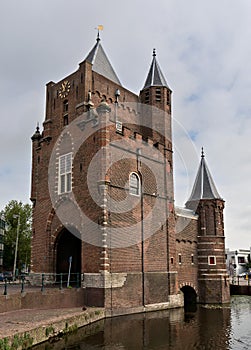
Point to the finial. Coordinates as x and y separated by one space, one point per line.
89 104
99 27
154 52
89 95
117 94
37 128
202 153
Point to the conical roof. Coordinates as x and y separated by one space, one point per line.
204 187
100 62
155 76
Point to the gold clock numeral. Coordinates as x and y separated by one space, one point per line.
64 89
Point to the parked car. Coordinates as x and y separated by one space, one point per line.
1 277
243 274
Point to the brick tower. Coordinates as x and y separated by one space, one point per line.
107 201
213 284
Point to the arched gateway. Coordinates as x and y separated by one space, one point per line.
68 247
190 297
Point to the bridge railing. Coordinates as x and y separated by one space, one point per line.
27 283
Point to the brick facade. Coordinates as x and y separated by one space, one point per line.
128 245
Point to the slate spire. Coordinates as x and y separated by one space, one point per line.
155 76
204 187
100 62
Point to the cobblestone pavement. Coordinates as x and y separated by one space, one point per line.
13 322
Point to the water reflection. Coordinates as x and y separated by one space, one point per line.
207 328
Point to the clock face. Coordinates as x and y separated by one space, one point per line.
64 89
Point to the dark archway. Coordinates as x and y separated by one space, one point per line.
190 298
68 245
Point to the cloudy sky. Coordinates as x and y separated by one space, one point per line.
204 50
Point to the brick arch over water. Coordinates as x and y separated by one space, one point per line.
188 284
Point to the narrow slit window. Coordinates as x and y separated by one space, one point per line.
180 259
65 106
66 120
192 259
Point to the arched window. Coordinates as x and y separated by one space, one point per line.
65 106
134 184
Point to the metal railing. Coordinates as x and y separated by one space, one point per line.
240 281
36 282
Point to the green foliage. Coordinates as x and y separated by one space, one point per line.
70 329
24 240
27 341
24 342
4 344
49 330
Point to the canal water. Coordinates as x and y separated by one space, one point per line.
206 328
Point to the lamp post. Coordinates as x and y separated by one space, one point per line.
16 247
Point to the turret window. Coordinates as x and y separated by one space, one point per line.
65 173
158 95
168 98
147 96
134 184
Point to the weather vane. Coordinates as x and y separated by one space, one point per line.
99 27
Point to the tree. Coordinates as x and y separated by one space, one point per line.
16 213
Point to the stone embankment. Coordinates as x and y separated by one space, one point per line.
24 328
34 316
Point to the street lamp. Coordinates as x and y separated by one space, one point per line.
16 247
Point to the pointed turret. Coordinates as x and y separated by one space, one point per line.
205 200
156 91
100 62
155 76
204 187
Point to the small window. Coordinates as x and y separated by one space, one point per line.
168 98
211 260
134 184
180 259
147 96
65 173
241 260
65 106
171 260
158 95
192 259
66 120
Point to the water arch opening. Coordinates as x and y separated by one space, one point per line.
68 255
190 298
